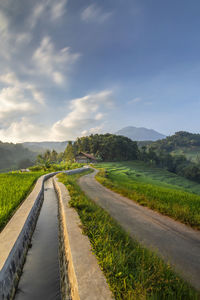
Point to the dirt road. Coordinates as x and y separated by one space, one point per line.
175 242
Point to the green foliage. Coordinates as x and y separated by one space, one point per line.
14 156
51 167
69 154
132 271
13 190
169 200
108 147
181 143
173 163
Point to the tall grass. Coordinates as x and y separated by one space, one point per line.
13 190
132 271
176 203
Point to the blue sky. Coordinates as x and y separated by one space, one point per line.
70 67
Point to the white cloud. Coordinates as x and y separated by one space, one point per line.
11 41
85 115
53 63
135 100
58 9
47 10
13 103
94 13
17 98
24 130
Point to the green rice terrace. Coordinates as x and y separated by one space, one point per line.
156 188
13 190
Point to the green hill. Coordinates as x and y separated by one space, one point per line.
14 156
181 142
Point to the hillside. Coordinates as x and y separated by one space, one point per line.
181 142
140 134
41 147
14 156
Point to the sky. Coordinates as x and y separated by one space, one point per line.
71 68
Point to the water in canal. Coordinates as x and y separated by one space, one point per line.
40 279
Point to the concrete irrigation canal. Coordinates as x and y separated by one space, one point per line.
44 254
40 278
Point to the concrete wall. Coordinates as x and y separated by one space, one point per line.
81 276
15 239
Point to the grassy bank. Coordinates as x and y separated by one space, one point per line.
169 199
132 271
13 190
15 186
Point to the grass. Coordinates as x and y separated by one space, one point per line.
143 172
154 188
14 187
132 271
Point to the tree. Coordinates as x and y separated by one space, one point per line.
69 152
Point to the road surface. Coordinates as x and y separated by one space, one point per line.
174 242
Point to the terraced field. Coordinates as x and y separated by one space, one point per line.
156 188
13 190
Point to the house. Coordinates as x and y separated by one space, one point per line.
24 170
85 158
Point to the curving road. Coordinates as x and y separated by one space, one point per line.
174 242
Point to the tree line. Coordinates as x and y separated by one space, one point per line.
110 147
177 164
105 147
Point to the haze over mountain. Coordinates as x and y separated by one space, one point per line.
41 147
140 133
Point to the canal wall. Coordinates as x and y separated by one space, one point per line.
16 237
81 276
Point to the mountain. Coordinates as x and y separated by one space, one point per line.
41 147
140 134
15 156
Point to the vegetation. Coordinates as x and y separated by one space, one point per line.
14 156
132 271
178 140
69 153
13 190
181 143
15 186
169 199
174 163
107 147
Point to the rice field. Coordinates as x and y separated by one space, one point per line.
13 190
155 188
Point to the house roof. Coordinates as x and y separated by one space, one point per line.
90 156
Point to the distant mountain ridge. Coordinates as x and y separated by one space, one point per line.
41 147
140 134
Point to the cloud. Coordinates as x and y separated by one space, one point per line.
53 63
135 100
47 9
24 130
11 41
93 13
85 115
58 9
17 99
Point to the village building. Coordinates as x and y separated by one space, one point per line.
85 158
